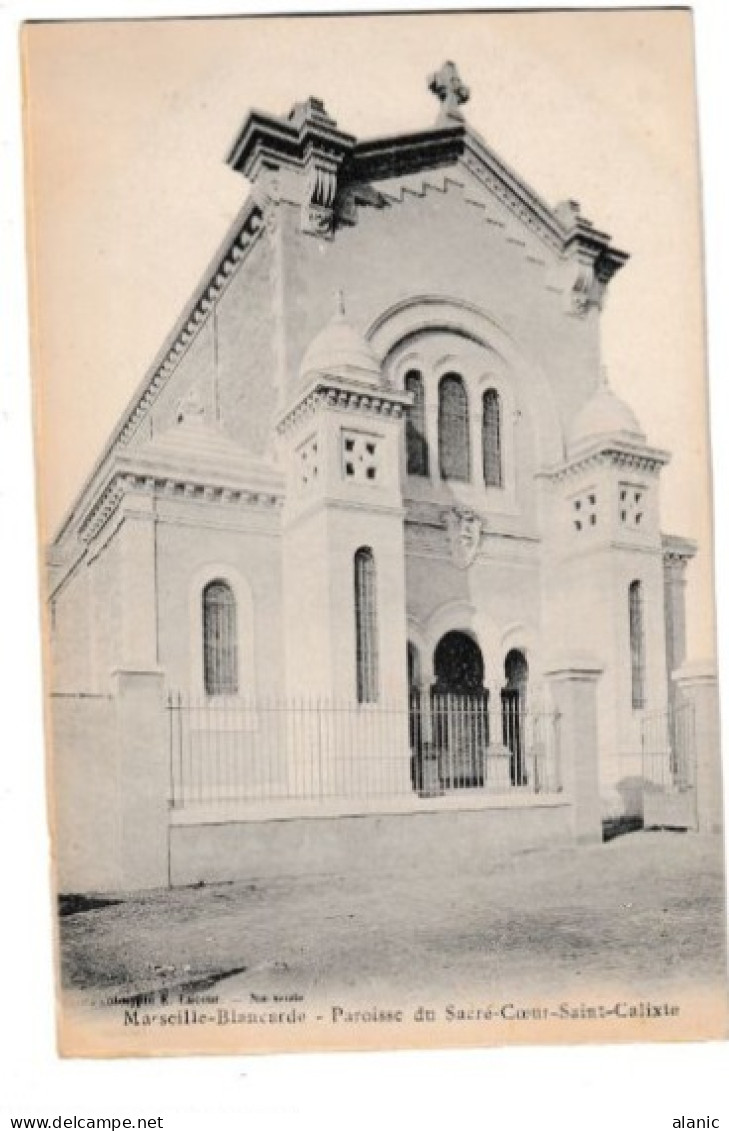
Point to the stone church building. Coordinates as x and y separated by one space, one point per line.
374 531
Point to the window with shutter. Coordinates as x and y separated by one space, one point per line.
491 439
416 443
453 430
220 642
637 644
365 610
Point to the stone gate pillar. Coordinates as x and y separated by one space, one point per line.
697 685
573 685
143 778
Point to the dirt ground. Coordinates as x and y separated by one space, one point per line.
646 909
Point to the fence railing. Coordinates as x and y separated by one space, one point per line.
225 750
668 747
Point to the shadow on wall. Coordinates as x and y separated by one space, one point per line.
619 826
74 904
632 791
648 804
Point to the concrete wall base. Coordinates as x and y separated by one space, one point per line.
238 850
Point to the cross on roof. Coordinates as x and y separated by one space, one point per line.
450 88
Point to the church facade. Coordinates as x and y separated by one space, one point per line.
378 463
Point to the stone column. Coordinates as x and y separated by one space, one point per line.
499 756
573 685
699 692
494 688
426 769
143 778
431 430
427 682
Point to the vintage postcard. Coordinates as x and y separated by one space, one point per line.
374 493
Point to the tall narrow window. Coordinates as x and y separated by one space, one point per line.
491 439
637 644
416 443
365 613
220 639
453 435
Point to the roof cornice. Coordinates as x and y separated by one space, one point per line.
606 452
677 549
265 139
330 391
134 473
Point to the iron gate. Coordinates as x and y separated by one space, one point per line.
668 771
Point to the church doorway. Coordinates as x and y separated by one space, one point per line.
459 707
513 712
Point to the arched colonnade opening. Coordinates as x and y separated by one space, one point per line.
457 734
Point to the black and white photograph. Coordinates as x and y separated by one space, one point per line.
374 506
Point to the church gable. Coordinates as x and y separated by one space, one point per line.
487 208
450 213
392 166
305 159
436 212
447 217
580 258
439 242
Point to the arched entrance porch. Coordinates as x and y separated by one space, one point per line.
468 727
459 710
458 665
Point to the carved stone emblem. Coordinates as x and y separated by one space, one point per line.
317 220
581 293
318 208
191 409
464 534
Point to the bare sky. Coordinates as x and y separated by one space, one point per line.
129 123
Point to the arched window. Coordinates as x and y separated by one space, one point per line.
416 443
365 614
220 639
637 644
491 439
453 432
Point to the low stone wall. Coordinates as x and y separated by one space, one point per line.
456 839
116 828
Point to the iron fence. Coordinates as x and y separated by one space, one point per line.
668 748
226 750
